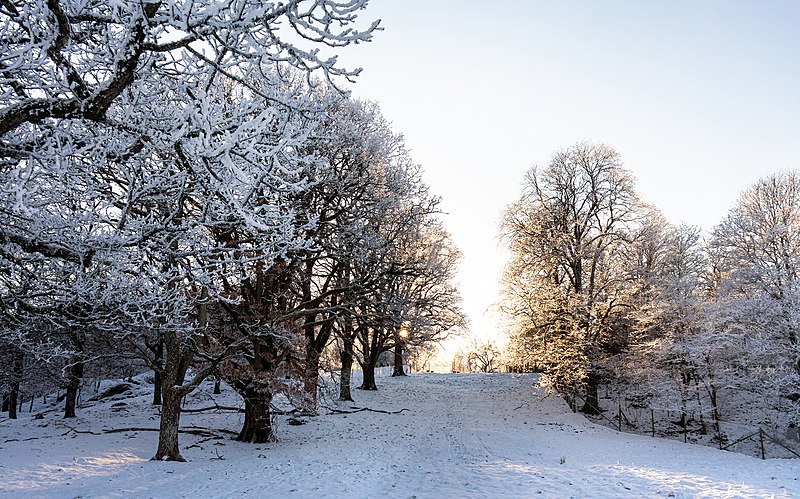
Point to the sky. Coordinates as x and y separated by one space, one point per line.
701 99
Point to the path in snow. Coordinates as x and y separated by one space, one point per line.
462 436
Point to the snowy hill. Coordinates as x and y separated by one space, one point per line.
440 436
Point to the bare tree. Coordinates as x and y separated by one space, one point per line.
483 357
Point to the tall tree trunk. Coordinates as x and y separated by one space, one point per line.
172 377
398 360
74 372
346 358
158 350
368 369
257 427
317 337
74 377
13 394
12 400
168 449
592 403
712 392
311 382
313 350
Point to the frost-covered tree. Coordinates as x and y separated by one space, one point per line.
665 267
359 149
715 321
125 103
755 253
563 285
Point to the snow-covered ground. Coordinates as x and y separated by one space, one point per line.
458 435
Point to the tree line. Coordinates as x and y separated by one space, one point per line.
602 290
185 187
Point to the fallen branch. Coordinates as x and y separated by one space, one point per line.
72 429
362 409
215 407
273 410
197 444
202 432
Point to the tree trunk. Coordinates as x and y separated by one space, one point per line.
217 385
74 371
712 392
168 449
592 403
74 377
172 377
13 395
398 360
316 341
12 400
156 388
159 354
311 381
368 382
346 358
257 427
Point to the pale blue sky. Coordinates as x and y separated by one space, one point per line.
700 98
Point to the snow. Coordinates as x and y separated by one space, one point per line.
458 435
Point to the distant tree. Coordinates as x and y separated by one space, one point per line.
416 295
428 302
459 364
483 357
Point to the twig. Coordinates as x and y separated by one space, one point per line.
197 444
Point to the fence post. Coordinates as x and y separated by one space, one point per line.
761 439
619 416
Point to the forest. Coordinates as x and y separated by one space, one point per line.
186 187
603 292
